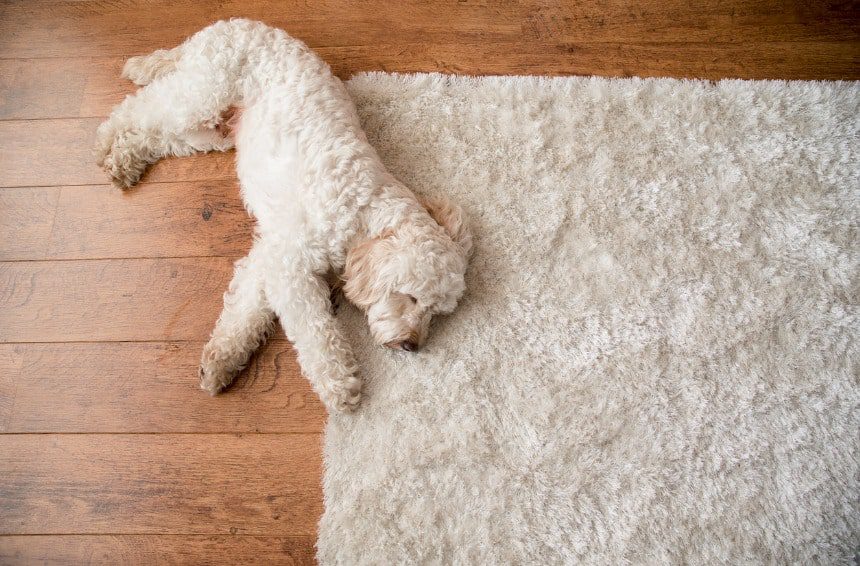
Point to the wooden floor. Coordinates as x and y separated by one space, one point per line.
109 453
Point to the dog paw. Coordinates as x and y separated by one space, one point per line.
123 167
116 153
343 395
215 376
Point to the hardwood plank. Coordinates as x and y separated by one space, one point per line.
48 152
11 366
40 92
132 550
712 61
153 220
104 88
59 29
59 152
112 300
156 220
683 21
149 387
159 484
26 88
26 217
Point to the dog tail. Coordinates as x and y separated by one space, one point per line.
144 69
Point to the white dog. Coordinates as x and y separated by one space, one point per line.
323 201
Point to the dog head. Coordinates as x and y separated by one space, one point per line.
408 274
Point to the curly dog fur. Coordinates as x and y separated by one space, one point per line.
323 201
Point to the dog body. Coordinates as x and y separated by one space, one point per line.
322 199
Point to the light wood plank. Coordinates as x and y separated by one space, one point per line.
113 300
149 387
26 217
144 550
159 484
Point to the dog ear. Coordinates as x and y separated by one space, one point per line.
360 271
450 217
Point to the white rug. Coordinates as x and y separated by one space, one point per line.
657 358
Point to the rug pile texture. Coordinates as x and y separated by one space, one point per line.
657 357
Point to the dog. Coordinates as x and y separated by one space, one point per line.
322 199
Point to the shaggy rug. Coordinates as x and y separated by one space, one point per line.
657 357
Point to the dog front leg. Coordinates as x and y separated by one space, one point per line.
242 327
174 115
301 300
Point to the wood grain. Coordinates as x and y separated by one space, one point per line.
26 218
203 218
579 56
59 28
143 550
28 87
149 387
160 484
121 300
59 152
684 21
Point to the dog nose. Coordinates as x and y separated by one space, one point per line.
408 345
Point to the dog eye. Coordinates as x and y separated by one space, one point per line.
413 299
